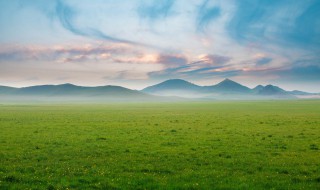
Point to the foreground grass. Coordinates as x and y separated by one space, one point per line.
217 145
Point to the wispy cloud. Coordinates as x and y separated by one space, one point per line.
155 9
264 60
277 22
206 14
66 15
302 73
215 59
115 53
171 60
64 53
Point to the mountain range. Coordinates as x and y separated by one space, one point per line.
226 89
172 89
70 92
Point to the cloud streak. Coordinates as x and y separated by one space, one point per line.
154 9
115 53
215 59
66 15
61 52
206 14
279 22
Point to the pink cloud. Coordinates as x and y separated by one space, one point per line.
214 59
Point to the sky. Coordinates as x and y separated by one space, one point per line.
137 43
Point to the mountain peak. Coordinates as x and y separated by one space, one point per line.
272 90
258 88
228 85
227 79
175 81
228 82
66 84
172 85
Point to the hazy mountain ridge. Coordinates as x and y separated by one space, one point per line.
176 84
70 92
226 89
174 87
227 86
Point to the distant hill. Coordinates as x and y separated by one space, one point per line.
272 90
6 89
226 89
182 88
72 92
170 90
301 93
174 87
257 88
228 86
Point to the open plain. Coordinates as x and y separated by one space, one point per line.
195 145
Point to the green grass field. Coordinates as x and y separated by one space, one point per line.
204 145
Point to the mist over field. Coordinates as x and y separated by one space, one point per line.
167 91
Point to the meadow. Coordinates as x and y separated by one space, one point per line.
195 145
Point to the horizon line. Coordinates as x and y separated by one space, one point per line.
111 85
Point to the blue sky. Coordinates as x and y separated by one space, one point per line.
136 43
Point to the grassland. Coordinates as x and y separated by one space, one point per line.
206 145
